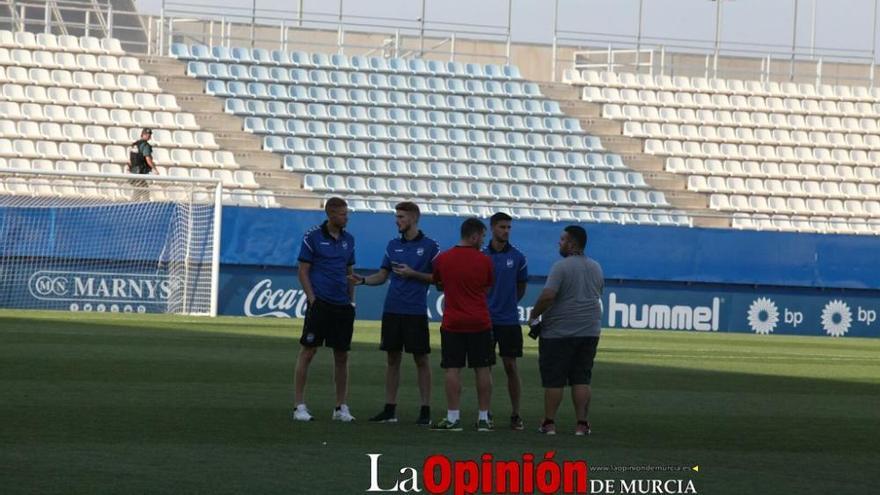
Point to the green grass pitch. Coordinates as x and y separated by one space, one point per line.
144 404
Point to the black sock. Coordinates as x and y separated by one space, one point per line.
548 422
390 408
425 410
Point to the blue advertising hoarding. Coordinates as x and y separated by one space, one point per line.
276 292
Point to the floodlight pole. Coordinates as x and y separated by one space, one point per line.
793 41
253 22
813 31
509 19
717 37
555 36
873 43
639 39
300 13
422 32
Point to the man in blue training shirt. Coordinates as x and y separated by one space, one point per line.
326 259
511 274
408 261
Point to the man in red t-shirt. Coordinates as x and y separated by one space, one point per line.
464 274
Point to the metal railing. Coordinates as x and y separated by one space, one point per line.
79 18
678 56
213 25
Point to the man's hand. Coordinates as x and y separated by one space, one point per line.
404 270
311 300
356 279
154 170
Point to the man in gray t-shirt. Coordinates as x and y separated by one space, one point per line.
570 308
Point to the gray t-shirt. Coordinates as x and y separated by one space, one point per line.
577 309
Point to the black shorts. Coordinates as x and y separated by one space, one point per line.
476 350
405 332
509 339
566 361
328 324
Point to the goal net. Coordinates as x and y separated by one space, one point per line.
109 242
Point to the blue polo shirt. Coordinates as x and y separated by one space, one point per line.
330 259
511 268
407 296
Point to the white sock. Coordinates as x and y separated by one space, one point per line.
484 416
452 415
301 407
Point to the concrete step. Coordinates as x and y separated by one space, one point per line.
239 143
580 109
558 91
218 122
182 85
601 127
665 181
202 103
300 203
712 222
687 199
643 162
258 159
622 144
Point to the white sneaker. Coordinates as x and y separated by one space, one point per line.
342 414
302 414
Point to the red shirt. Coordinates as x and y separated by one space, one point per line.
466 276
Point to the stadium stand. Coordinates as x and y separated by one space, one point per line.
464 138
76 103
775 156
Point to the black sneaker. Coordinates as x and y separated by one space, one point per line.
386 416
516 422
424 417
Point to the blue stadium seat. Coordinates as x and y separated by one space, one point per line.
242 55
340 61
222 54
180 51
202 53
262 56
301 60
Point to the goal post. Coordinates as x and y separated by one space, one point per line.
109 242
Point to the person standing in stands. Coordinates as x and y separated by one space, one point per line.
464 274
326 260
511 274
409 262
570 312
140 157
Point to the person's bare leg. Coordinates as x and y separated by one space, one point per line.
301 375
453 388
514 385
423 370
392 377
484 387
340 375
580 396
552 400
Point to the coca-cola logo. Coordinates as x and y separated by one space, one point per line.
263 300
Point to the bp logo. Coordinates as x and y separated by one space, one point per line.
420 251
763 316
836 318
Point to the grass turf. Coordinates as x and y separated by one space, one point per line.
123 403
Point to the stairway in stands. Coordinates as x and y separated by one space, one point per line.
631 149
228 133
